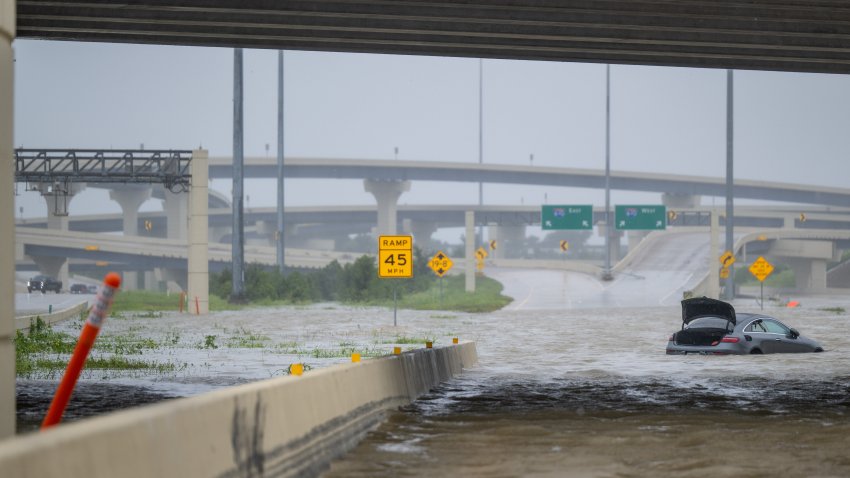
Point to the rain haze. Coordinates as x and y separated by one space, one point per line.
789 127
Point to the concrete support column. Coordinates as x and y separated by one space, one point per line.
198 280
510 240
680 200
7 221
469 260
176 208
614 244
809 274
713 254
635 237
386 194
58 199
130 197
422 232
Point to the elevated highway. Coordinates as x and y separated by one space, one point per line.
389 170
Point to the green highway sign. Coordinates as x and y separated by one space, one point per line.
566 217
645 217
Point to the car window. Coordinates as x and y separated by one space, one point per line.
775 327
756 326
708 323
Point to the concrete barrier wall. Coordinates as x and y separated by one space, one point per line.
287 426
23 323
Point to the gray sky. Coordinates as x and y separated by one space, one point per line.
789 127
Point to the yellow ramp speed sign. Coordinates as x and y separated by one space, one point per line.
395 257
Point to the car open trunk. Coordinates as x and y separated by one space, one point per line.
699 336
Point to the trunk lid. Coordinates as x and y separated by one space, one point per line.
704 307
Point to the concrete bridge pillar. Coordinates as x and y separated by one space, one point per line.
7 221
176 208
680 200
809 274
635 237
386 194
198 281
614 245
130 197
510 240
58 199
422 232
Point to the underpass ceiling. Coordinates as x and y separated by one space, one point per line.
800 35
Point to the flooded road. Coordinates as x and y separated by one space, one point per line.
590 392
562 389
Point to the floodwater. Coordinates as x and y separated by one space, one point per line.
592 393
566 386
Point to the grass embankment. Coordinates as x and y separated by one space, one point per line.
150 301
486 298
781 279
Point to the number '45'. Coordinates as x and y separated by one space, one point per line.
402 260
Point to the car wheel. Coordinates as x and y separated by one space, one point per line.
29 291
756 352
818 349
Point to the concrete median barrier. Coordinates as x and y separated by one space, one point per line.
287 426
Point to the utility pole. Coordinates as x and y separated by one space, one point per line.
606 274
729 292
238 246
280 202
480 139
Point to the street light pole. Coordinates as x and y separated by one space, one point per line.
607 272
280 202
238 250
480 138
729 292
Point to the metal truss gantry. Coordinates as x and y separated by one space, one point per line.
62 166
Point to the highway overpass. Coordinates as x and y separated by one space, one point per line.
393 170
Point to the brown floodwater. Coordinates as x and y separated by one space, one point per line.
592 393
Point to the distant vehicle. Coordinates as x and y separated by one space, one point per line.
711 327
92 289
44 284
79 289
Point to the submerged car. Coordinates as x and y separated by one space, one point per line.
711 327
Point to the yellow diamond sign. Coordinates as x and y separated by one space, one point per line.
481 253
727 259
761 269
440 264
724 273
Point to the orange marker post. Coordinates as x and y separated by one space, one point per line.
97 314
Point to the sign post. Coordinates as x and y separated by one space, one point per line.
440 264
566 217
761 269
641 217
395 261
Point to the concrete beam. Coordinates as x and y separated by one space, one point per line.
805 249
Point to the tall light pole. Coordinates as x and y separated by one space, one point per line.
480 138
606 275
238 249
280 203
729 292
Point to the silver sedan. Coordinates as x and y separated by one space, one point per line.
711 327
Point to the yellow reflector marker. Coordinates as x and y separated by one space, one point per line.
397 350
355 358
454 340
429 344
296 369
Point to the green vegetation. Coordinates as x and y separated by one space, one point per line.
486 298
43 352
152 302
837 310
402 340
